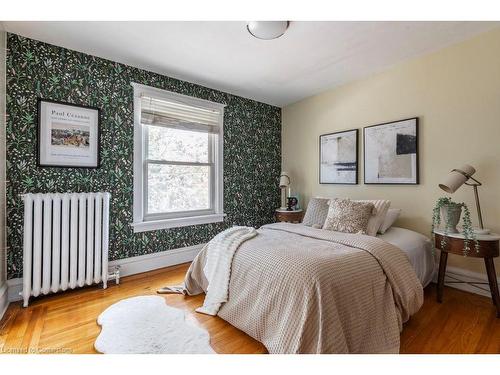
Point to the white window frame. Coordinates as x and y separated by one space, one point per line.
147 222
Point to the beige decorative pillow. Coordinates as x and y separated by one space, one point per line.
375 222
348 216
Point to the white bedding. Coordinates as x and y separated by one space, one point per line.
418 248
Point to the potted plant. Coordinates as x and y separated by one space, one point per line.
451 211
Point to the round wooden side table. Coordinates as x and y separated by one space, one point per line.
294 216
488 249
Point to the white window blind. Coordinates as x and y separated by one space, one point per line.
177 160
178 114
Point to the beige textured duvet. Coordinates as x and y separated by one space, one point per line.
298 289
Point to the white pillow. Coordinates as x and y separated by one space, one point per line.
390 218
377 219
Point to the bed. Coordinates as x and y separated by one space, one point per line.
417 247
299 289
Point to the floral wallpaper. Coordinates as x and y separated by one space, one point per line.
252 146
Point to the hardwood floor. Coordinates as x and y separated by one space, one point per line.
66 322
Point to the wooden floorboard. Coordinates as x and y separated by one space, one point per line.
66 322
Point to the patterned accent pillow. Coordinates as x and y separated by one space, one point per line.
348 216
375 222
316 213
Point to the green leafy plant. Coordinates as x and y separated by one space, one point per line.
467 229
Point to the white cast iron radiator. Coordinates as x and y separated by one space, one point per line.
65 242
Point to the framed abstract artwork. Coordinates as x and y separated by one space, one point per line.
68 135
338 157
391 153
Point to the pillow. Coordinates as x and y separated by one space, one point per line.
317 210
348 216
381 207
391 216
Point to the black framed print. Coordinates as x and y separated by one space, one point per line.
338 157
391 153
68 135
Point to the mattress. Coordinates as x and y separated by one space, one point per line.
417 247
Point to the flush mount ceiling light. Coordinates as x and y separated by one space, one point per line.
267 30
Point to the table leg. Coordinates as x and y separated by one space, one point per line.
492 278
442 271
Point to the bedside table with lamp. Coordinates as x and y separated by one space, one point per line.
454 243
286 213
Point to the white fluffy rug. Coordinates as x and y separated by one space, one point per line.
146 324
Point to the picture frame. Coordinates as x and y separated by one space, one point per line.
338 157
68 135
390 153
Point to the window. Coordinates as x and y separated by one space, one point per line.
177 160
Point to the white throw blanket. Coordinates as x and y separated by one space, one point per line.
220 251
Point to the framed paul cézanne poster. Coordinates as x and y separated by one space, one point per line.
391 153
68 135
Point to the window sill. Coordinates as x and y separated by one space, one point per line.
177 222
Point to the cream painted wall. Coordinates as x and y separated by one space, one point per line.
455 93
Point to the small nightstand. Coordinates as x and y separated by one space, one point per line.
294 216
488 249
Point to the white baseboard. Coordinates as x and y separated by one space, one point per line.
466 280
129 266
15 287
4 300
150 262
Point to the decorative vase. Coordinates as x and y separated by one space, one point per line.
450 215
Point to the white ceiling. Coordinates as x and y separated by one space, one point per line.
310 58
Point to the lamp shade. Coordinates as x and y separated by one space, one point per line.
455 178
284 180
